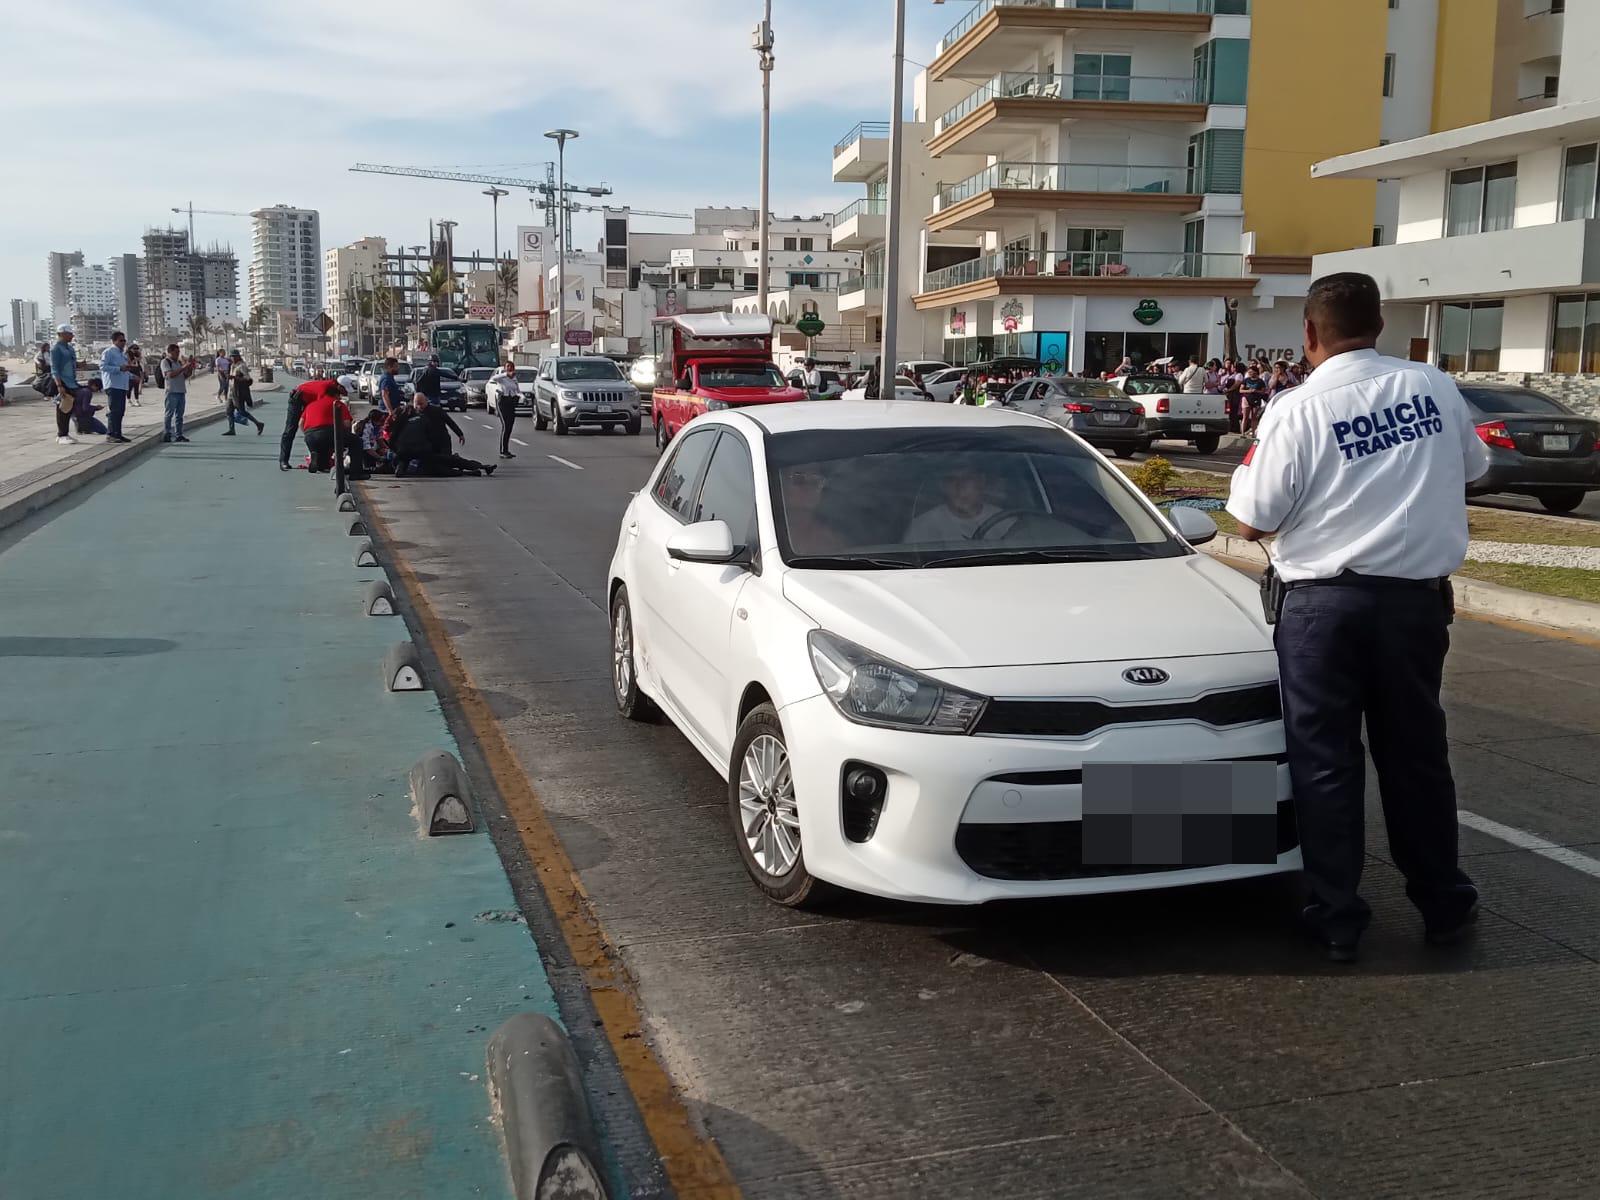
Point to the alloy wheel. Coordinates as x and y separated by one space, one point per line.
622 653
767 810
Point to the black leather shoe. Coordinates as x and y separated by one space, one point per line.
1448 933
1339 948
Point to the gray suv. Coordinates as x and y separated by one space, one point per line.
584 390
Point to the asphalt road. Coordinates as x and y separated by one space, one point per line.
1226 459
1148 1045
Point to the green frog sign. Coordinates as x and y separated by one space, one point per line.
810 325
1147 312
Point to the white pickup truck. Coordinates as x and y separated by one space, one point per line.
1199 418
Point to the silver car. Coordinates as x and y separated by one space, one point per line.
584 390
1097 412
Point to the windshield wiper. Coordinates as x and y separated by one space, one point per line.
992 558
845 562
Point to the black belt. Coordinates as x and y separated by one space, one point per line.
1375 583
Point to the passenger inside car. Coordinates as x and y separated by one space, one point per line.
965 510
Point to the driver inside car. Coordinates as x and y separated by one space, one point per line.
804 489
964 510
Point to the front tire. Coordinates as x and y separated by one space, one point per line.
559 421
1124 451
635 426
631 702
765 816
540 421
1561 500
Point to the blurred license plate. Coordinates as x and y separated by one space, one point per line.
1197 429
605 408
1553 441
1180 814
1111 418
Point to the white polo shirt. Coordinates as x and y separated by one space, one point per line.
1363 467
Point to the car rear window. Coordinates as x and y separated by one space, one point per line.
1513 400
1150 385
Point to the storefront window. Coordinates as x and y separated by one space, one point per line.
1469 336
1104 351
1575 336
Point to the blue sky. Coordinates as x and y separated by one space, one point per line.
270 103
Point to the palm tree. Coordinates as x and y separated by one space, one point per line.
506 276
198 327
435 283
258 321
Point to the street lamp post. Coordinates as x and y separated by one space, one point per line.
494 195
448 230
761 42
561 137
891 252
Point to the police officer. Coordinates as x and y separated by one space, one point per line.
1361 474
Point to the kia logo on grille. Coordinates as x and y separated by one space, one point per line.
1146 676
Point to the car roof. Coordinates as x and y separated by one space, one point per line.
872 414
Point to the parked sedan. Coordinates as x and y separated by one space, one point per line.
905 388
1537 446
1097 412
824 599
584 390
943 385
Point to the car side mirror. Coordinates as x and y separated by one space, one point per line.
704 542
1194 526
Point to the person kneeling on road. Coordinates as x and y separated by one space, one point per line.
421 443
303 395
317 418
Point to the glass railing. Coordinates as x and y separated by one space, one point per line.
1034 85
867 206
1068 177
863 129
1150 6
1096 264
858 282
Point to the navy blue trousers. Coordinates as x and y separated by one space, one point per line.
1346 653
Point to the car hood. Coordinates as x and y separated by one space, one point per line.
751 395
1053 613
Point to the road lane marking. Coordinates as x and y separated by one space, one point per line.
486 424
691 1160
519 442
1529 841
564 462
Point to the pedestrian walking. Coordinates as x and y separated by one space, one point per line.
114 378
220 366
508 393
1359 474
175 374
239 401
135 374
64 375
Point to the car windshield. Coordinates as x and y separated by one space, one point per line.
590 368
1149 385
526 375
449 376
478 374
737 375
1512 400
882 499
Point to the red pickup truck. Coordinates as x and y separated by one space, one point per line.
709 361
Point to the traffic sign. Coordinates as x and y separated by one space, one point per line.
810 325
580 337
324 322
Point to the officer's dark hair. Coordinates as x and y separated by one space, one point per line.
1345 307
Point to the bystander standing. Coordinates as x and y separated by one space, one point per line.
175 373
64 374
114 378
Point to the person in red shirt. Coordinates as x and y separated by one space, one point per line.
298 399
319 412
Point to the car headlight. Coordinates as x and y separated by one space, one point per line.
565 396
716 405
871 690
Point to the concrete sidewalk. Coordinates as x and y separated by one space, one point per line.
229 966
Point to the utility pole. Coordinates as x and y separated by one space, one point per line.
447 230
761 42
891 254
564 225
494 195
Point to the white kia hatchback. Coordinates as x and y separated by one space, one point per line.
949 654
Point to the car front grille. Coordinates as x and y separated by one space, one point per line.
1041 850
616 399
1079 718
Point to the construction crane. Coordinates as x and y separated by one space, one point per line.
204 212
543 187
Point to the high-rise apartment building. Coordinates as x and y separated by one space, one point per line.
180 284
92 299
25 331
1103 180
286 260
59 262
352 277
1493 261
127 273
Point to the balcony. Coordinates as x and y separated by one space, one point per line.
996 31
859 225
861 153
1013 187
861 292
1015 103
1091 271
